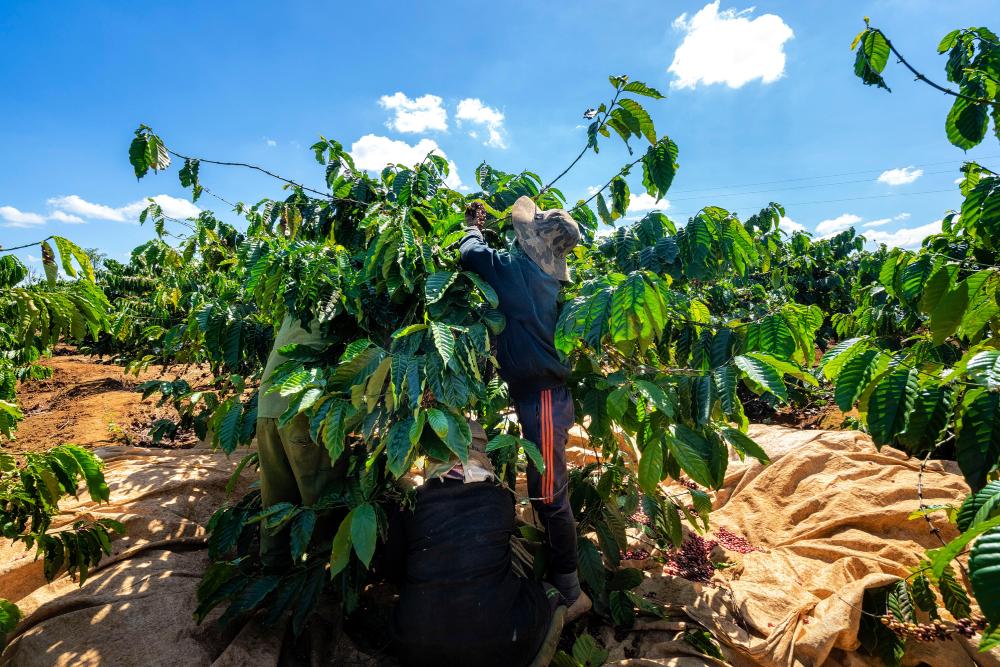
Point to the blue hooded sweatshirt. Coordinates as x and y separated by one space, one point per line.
529 361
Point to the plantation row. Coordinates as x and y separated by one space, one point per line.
670 332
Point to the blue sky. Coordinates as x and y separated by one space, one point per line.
762 102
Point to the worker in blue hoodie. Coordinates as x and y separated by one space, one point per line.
527 280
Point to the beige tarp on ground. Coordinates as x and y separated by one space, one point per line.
830 511
136 609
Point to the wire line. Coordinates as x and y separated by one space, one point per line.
818 176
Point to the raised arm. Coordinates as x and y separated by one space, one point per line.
479 257
476 254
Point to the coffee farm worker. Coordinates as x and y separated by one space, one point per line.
461 603
527 280
293 468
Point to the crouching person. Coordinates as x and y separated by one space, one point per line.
460 602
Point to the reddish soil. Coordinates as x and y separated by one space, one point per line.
823 417
93 403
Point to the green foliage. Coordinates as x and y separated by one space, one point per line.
984 563
876 639
704 642
931 377
504 442
408 341
921 360
29 498
923 596
10 616
935 578
890 405
872 56
978 444
147 152
920 366
979 506
669 331
586 652
34 316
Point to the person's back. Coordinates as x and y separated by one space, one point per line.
460 602
529 300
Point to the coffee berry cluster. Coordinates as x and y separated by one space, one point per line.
967 627
934 630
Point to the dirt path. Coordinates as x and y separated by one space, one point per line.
92 403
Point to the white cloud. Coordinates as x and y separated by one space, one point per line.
729 47
34 260
881 222
373 153
415 115
907 237
66 217
901 216
646 202
271 143
76 207
473 110
86 209
838 224
16 218
900 175
789 225
638 203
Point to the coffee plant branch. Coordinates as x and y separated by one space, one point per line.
220 198
588 146
262 170
26 245
921 77
621 172
920 490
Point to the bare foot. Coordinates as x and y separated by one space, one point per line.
580 607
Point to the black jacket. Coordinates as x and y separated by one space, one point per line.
526 348
460 603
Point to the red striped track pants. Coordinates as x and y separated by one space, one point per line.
545 419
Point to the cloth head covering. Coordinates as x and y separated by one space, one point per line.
547 237
479 468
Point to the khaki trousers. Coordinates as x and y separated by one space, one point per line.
293 469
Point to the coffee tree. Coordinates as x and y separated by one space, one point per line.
34 316
373 261
929 381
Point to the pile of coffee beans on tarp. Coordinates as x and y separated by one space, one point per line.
733 542
692 560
